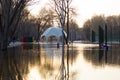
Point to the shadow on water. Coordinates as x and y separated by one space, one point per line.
34 62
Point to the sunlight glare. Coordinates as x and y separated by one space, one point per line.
34 74
35 9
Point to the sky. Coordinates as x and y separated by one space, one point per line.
87 8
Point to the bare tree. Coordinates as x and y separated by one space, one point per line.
45 20
67 11
11 14
112 22
34 26
86 30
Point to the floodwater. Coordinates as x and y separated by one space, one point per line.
46 62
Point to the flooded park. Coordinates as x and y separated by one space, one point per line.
59 39
43 61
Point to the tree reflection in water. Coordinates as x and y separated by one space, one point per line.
33 62
11 67
28 62
100 57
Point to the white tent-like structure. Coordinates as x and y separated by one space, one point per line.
53 32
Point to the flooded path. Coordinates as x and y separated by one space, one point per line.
44 62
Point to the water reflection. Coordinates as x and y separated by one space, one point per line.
44 62
100 57
34 74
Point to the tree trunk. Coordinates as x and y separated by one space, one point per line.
5 19
4 43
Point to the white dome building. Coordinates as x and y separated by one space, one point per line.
53 34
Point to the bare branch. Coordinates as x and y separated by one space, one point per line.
11 15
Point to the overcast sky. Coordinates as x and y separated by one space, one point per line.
88 8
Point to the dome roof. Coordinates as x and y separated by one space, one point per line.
53 31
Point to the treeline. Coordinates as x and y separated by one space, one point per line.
31 26
15 21
112 23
